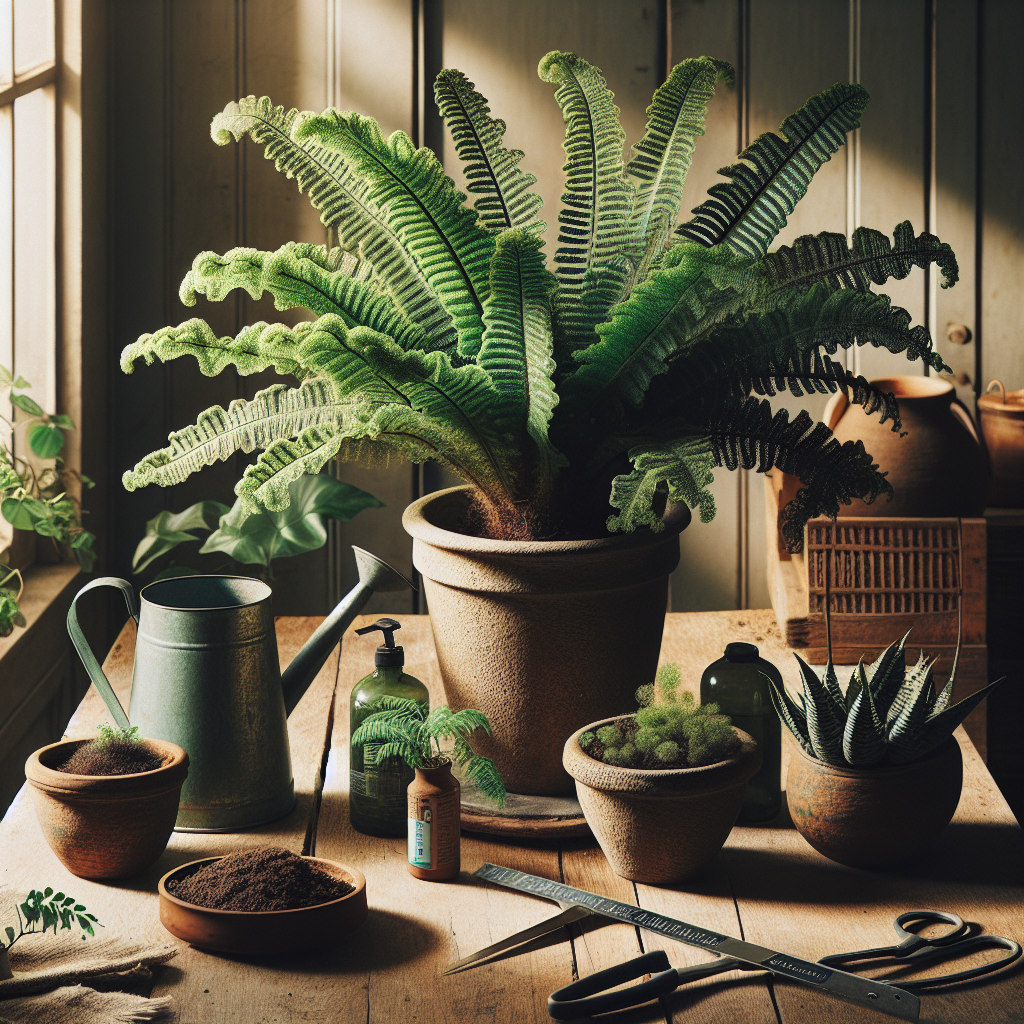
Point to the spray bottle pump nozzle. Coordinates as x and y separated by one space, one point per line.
390 654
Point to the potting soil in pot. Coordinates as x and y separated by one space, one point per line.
267 878
112 757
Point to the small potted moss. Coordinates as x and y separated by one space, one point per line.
107 806
662 788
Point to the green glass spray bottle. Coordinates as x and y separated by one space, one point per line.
377 786
737 685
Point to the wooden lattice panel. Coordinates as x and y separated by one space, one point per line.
884 569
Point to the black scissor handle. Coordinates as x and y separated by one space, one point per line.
911 940
958 949
587 996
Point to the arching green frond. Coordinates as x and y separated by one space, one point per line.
748 436
265 483
491 170
275 413
254 349
773 173
321 283
484 773
665 315
341 197
594 219
517 344
872 259
661 159
684 464
422 206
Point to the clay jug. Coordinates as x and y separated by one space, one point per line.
1002 425
938 469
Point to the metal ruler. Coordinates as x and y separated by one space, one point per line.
863 992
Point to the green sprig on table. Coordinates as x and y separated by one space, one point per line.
48 909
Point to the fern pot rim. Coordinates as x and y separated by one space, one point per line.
433 519
661 827
665 783
889 771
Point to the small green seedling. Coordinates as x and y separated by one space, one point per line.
109 735
670 730
403 728
48 909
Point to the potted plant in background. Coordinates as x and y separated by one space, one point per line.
877 773
34 496
586 408
662 788
107 806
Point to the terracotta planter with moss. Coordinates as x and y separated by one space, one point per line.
874 817
106 826
660 827
541 636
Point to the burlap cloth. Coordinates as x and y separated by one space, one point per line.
47 970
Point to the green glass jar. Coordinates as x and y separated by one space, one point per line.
736 685
377 802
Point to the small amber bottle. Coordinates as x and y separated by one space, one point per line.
737 685
435 808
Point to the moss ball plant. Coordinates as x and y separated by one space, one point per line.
670 730
113 752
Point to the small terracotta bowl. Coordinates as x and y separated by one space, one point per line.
269 931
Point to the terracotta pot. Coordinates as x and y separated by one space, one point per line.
243 932
106 826
938 469
660 827
541 636
873 818
1002 424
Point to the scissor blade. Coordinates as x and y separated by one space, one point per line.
568 916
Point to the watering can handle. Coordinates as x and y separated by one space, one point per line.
92 666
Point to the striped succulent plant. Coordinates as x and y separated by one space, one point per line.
889 714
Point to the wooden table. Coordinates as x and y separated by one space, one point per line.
767 886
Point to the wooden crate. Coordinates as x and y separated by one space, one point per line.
889 575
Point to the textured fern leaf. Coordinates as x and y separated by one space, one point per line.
791 713
774 172
484 773
342 198
319 281
872 259
594 219
265 483
661 159
254 349
825 723
937 729
917 685
746 435
665 315
683 463
491 170
422 206
469 720
517 342
274 414
887 673
864 738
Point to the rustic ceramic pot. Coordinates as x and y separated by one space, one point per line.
106 826
1002 424
660 827
877 817
938 469
243 932
541 636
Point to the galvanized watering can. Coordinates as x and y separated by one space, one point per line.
206 677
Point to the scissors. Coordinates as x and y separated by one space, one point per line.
591 995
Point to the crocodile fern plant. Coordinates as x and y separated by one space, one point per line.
577 400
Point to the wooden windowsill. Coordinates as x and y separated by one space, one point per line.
45 585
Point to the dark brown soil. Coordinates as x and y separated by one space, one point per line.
112 757
267 878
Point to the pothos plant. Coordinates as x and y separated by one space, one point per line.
401 727
34 492
576 400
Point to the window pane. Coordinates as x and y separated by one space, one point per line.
34 237
33 33
6 44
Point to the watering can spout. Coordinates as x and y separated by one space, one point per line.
374 575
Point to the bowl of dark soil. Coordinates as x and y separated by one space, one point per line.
107 806
262 902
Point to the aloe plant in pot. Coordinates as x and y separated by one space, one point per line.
586 407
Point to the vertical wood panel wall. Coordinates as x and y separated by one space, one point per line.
938 147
